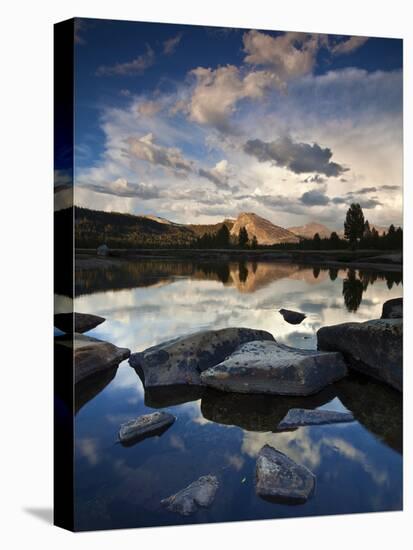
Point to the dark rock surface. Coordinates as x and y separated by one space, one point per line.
374 347
305 417
269 367
200 493
82 322
181 360
145 426
90 354
393 309
292 317
279 478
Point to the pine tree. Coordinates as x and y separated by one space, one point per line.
354 224
243 237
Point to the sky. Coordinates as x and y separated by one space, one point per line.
197 124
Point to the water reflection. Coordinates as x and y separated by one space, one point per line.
258 413
356 283
358 465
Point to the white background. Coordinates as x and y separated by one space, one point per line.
26 271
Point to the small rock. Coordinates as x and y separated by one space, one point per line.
82 322
279 478
292 317
269 367
200 493
393 309
181 360
374 347
307 417
145 426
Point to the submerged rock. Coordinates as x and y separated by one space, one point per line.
305 417
374 347
181 360
279 478
269 367
393 309
90 354
80 322
292 317
200 493
145 426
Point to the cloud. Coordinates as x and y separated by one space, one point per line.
218 174
315 198
363 191
80 26
130 68
290 55
314 179
122 188
149 108
296 157
170 45
390 187
217 91
349 45
144 148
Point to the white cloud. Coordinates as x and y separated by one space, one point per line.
170 45
217 92
289 55
349 45
145 148
134 67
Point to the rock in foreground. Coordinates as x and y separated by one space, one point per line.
279 478
90 354
145 426
292 317
269 367
393 309
181 361
80 322
307 417
374 347
200 493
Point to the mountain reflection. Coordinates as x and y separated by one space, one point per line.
246 276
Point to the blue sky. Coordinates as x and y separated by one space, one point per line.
196 124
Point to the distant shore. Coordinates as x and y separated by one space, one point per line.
380 260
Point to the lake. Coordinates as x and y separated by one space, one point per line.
358 465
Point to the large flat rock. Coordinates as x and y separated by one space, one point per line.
279 478
91 355
145 426
374 347
272 368
181 360
296 418
200 493
77 322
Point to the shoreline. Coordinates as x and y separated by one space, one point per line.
377 260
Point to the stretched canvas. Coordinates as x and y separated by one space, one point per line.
228 274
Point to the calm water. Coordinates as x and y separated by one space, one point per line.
358 465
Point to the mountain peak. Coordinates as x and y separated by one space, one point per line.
309 229
265 231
